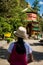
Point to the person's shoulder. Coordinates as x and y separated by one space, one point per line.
28 47
11 46
12 43
27 44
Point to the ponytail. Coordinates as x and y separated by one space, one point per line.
20 47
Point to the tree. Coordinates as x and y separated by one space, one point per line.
17 20
7 6
11 15
4 26
41 24
36 6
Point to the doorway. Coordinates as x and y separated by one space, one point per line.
29 29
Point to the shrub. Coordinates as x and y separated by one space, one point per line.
8 39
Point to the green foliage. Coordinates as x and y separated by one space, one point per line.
11 15
11 24
1 29
9 39
36 6
41 24
8 7
4 26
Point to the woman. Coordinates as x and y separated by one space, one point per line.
20 52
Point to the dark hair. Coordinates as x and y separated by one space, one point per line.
20 48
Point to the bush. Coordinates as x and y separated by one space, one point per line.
8 39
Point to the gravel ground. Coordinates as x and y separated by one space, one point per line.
37 52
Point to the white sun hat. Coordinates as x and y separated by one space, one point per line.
21 32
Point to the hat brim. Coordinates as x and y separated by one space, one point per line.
20 35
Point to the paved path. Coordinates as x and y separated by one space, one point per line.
37 52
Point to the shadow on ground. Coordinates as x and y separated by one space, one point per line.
37 44
3 53
38 55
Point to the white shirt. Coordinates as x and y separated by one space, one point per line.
27 46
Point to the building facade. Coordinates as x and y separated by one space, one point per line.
33 24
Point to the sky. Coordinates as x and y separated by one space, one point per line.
40 3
